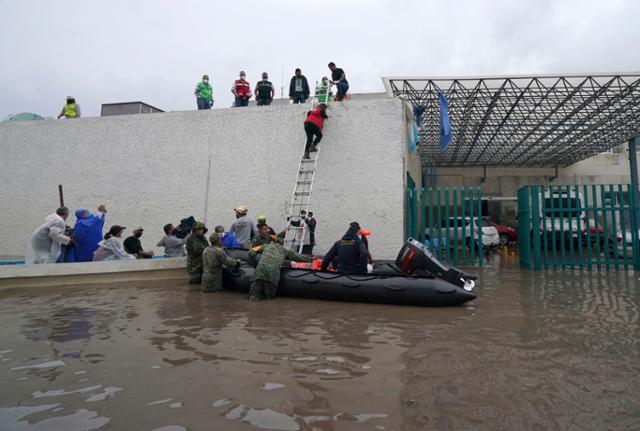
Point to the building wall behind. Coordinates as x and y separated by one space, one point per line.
154 169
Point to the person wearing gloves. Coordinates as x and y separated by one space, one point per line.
244 228
111 247
214 260
204 93
46 242
87 233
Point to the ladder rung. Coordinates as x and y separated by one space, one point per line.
304 182
302 193
306 171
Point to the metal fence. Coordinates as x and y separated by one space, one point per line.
448 221
580 226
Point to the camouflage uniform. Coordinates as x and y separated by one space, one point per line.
195 247
257 246
267 276
213 260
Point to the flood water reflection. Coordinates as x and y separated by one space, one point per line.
534 351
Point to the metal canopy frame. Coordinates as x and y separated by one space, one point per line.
523 121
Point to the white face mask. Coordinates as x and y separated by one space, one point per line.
206 81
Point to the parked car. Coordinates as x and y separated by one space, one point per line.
461 229
562 216
622 245
505 233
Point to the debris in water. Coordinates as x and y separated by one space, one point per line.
166 400
272 386
51 364
108 393
411 403
59 392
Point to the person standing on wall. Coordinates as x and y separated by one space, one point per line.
70 109
264 91
241 90
340 79
299 88
323 91
313 128
204 93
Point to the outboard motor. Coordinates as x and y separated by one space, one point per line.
415 257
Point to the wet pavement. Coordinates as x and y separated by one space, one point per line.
535 351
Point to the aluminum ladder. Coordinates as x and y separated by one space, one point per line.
301 197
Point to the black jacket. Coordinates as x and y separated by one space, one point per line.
305 86
350 254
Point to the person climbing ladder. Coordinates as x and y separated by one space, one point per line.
313 128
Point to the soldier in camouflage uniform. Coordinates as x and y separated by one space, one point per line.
195 246
265 280
258 244
214 259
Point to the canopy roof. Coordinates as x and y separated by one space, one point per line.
523 120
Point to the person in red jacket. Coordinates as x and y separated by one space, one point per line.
313 128
242 90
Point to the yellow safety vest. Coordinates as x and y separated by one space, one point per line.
70 110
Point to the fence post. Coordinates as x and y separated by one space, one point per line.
524 227
535 228
633 200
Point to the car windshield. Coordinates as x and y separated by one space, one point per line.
561 206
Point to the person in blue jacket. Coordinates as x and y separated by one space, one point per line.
228 240
87 233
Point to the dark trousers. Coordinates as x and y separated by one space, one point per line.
307 249
241 101
263 102
299 97
342 87
312 130
204 104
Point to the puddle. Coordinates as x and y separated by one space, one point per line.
263 418
272 386
51 364
59 392
81 420
108 393
154 403
220 403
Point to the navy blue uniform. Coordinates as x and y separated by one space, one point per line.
349 255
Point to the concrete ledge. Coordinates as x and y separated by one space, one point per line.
69 274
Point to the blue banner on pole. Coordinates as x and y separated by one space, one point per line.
445 124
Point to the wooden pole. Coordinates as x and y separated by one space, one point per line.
61 195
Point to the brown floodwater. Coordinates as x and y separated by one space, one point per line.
535 351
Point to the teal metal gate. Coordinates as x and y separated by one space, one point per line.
581 226
448 221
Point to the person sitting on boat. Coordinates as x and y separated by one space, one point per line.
265 280
349 255
46 242
173 246
111 247
195 246
87 233
214 259
228 240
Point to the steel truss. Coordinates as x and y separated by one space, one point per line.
523 121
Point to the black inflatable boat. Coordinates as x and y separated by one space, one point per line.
415 278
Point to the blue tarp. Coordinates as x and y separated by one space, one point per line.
445 124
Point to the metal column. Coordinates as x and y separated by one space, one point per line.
634 199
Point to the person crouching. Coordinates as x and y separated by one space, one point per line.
214 260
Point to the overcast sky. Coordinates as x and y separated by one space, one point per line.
156 51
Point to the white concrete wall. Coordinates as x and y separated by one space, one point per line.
152 169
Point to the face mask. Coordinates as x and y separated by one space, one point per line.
206 81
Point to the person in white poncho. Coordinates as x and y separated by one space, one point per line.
46 242
111 247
